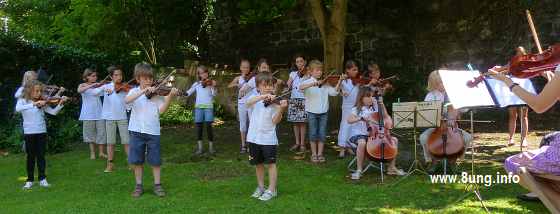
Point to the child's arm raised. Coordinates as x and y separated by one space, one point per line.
130 97
304 85
167 100
191 90
21 105
84 86
278 116
257 98
55 110
234 82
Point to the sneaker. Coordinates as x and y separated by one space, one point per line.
356 175
267 195
138 191
158 190
199 152
258 192
109 168
44 183
211 151
28 185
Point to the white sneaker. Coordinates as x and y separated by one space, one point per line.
356 175
258 192
267 195
28 185
44 183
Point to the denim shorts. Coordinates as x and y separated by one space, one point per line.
317 126
140 144
202 115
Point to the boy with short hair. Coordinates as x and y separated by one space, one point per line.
261 136
144 127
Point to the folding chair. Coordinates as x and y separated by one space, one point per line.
370 161
542 190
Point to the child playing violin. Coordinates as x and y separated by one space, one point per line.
362 120
145 129
317 106
28 76
349 90
114 114
437 93
204 107
262 138
296 106
243 113
33 109
90 113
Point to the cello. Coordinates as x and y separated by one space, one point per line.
381 146
447 140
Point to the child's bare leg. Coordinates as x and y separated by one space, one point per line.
243 140
259 168
272 176
360 154
138 173
302 136
92 151
102 150
313 145
320 148
296 135
126 150
156 170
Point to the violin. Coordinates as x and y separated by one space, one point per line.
528 66
277 99
120 87
447 141
206 82
382 146
160 84
54 100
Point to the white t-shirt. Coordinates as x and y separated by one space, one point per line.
352 90
33 117
204 96
360 127
114 106
19 93
296 81
262 130
317 98
252 83
240 82
145 113
91 104
435 95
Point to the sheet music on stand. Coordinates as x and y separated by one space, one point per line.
490 93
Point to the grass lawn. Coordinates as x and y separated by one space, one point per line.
222 184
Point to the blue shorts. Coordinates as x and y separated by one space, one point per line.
317 126
140 144
202 115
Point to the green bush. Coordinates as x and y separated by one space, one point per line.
177 114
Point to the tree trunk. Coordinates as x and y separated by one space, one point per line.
332 25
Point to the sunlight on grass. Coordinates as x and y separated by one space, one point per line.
224 182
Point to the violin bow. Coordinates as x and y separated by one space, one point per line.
533 31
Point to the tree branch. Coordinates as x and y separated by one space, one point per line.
319 15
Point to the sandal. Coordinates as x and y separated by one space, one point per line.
294 147
396 171
243 150
158 190
314 159
138 191
321 159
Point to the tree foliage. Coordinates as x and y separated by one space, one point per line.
158 29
